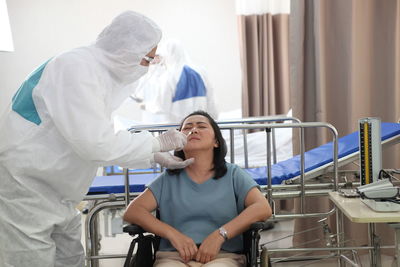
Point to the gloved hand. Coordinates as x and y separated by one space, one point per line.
168 160
172 140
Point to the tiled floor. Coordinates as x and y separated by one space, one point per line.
120 245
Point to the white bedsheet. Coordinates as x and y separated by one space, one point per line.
257 147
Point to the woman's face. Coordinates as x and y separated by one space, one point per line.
199 132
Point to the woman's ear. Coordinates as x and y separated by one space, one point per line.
216 144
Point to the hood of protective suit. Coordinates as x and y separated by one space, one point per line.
124 42
174 55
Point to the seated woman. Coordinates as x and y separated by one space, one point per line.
205 207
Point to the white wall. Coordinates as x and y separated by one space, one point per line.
44 28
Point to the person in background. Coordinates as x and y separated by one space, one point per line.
205 207
58 131
173 87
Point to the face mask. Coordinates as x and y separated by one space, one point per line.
133 73
123 73
139 71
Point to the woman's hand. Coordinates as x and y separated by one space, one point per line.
185 246
210 247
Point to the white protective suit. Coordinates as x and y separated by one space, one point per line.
56 134
174 88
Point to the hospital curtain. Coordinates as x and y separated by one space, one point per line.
345 65
263 40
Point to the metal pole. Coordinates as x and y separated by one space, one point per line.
90 239
245 150
269 167
232 139
375 242
302 170
396 227
274 146
127 189
339 231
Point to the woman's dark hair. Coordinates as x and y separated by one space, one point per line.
219 167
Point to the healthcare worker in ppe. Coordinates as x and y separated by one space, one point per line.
174 87
58 132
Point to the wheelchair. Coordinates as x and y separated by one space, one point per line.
147 245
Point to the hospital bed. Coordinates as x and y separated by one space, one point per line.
318 162
286 179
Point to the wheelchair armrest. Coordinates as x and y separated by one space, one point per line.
133 229
261 226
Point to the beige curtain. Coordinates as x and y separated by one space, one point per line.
345 65
263 42
265 64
